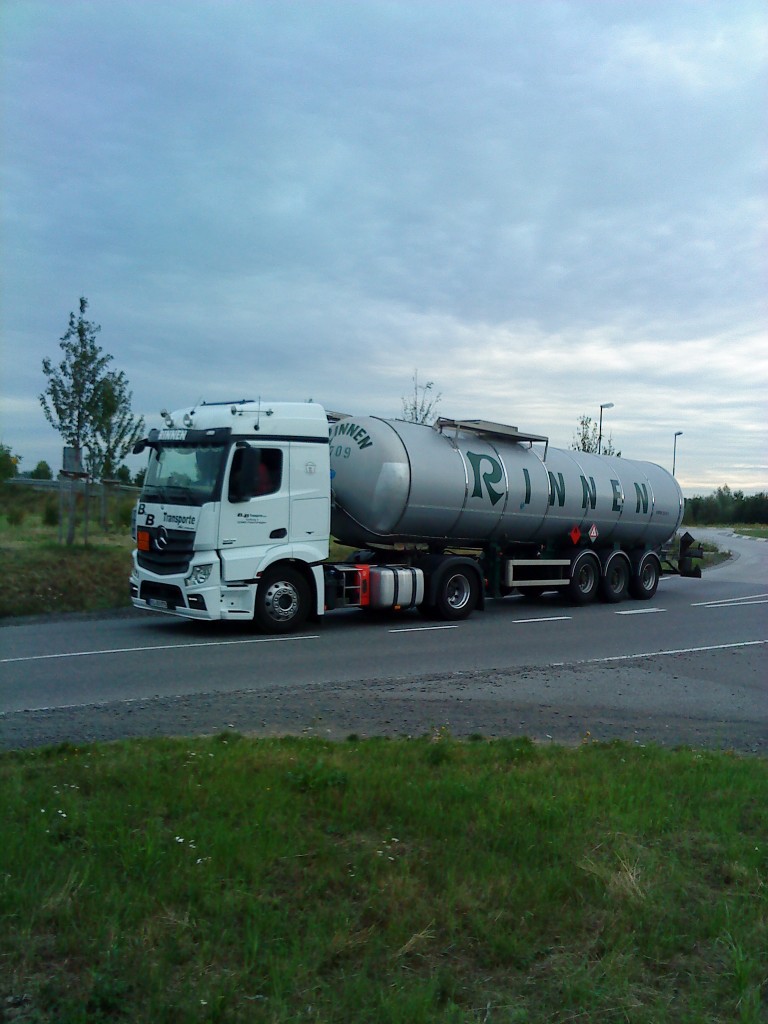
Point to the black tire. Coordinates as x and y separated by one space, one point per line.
585 578
614 582
645 578
457 594
282 601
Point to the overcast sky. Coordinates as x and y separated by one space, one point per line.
540 206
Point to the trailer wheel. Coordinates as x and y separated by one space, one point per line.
282 601
585 578
615 579
645 578
457 594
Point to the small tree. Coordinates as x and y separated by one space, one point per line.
116 430
9 463
88 403
42 471
73 392
421 405
587 439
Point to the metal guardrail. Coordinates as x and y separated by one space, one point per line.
68 483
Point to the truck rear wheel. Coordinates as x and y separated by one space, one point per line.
457 594
585 578
645 578
615 579
282 601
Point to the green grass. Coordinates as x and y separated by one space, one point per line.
752 530
50 577
43 576
230 879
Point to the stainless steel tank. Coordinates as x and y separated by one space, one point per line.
395 481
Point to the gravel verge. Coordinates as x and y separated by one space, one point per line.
494 704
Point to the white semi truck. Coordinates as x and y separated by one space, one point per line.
241 499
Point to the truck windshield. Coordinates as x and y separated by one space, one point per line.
184 474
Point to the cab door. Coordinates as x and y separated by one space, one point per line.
255 507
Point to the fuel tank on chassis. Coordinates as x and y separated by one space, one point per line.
395 481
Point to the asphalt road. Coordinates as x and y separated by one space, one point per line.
688 667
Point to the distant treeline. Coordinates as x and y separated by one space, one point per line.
726 506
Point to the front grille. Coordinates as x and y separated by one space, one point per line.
174 557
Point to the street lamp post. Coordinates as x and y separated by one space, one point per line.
674 451
605 405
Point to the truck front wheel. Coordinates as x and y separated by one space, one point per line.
282 601
457 594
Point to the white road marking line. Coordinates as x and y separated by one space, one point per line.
738 603
641 611
158 647
681 650
422 629
728 600
550 618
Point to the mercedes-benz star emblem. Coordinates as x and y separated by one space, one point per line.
161 539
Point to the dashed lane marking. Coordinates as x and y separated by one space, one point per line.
158 647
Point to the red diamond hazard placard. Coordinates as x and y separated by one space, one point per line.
575 535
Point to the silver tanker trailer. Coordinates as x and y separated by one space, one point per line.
241 498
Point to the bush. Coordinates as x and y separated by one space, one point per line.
15 516
51 514
42 471
9 463
124 513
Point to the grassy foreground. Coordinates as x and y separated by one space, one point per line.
230 879
42 576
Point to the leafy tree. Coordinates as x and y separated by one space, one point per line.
725 506
42 471
9 463
71 399
421 405
587 439
88 403
116 430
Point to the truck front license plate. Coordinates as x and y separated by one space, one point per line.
157 602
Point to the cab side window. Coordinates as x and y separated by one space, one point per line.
255 472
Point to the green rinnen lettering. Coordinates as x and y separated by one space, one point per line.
618 497
641 492
492 476
358 434
556 488
527 499
588 492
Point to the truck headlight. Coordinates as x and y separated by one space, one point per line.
198 576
